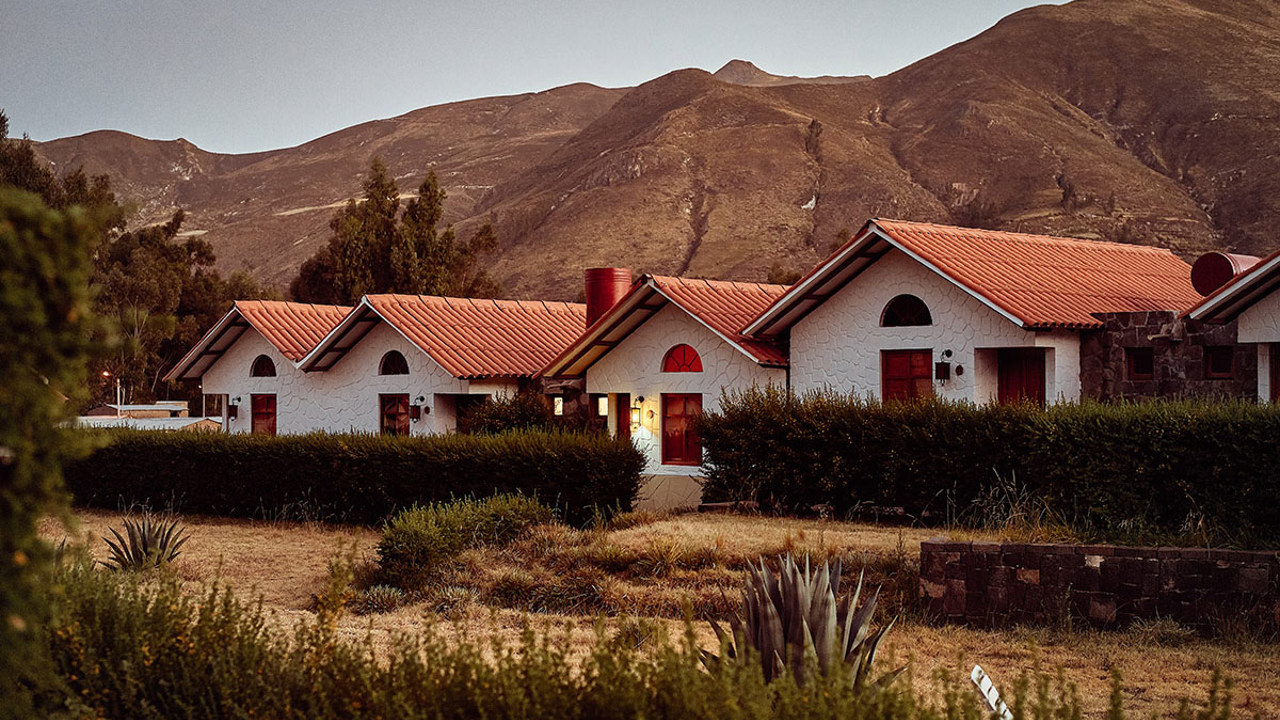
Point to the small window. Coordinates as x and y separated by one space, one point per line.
557 406
1140 363
393 363
682 358
262 367
1219 362
905 311
600 405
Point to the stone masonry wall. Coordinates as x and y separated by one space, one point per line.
1179 349
988 584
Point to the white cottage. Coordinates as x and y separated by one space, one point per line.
1251 298
907 309
662 354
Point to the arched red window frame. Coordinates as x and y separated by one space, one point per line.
682 358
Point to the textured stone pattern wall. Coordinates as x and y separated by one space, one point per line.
838 345
987 584
634 366
1179 349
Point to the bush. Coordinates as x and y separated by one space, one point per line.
1194 471
518 411
418 539
352 478
129 649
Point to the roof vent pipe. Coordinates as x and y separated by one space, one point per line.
605 287
1213 270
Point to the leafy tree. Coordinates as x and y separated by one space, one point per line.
48 330
377 249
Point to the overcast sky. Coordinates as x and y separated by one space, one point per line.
242 75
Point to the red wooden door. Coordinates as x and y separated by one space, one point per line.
680 442
393 414
263 408
1020 375
622 416
906 374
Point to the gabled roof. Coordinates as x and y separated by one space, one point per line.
293 328
470 338
1038 282
723 307
1240 293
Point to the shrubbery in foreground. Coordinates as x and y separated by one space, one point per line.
353 478
129 647
1206 471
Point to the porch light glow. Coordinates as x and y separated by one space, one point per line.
635 416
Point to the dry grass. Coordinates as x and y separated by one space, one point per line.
644 575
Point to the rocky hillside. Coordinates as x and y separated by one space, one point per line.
1153 121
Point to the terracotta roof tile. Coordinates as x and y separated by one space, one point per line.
1047 281
294 328
727 307
474 338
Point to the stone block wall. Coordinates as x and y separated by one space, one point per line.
989 584
1179 349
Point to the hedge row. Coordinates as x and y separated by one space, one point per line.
1174 468
352 478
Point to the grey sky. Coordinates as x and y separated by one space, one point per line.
239 76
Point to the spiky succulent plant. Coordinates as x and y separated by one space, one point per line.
146 543
793 616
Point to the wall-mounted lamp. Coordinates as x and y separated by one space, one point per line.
635 411
418 408
233 408
942 370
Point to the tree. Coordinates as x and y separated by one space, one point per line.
47 333
377 249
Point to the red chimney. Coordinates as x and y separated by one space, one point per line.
605 287
1215 269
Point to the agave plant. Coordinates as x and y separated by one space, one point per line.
147 543
793 616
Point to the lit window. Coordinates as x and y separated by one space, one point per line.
682 358
557 405
905 311
1219 361
1140 363
602 405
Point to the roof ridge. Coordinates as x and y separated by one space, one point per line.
1028 237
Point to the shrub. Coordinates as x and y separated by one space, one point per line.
147 650
417 540
518 411
352 478
1191 471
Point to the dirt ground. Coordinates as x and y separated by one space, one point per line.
286 564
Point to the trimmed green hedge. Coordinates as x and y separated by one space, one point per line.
352 478
1172 468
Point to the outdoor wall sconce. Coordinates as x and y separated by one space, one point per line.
233 408
418 408
635 411
942 370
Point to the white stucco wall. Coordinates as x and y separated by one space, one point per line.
634 366
345 397
1261 324
838 345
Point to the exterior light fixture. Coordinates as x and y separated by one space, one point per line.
635 411
418 408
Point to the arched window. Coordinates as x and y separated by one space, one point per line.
905 311
393 363
682 358
262 367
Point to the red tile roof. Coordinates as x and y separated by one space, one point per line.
293 328
1038 281
472 338
724 307
727 307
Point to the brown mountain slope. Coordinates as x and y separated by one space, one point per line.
1154 121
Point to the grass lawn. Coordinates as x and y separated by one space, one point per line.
643 577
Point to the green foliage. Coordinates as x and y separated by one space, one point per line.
47 333
1204 472
150 543
418 539
793 621
135 649
514 411
352 478
377 249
